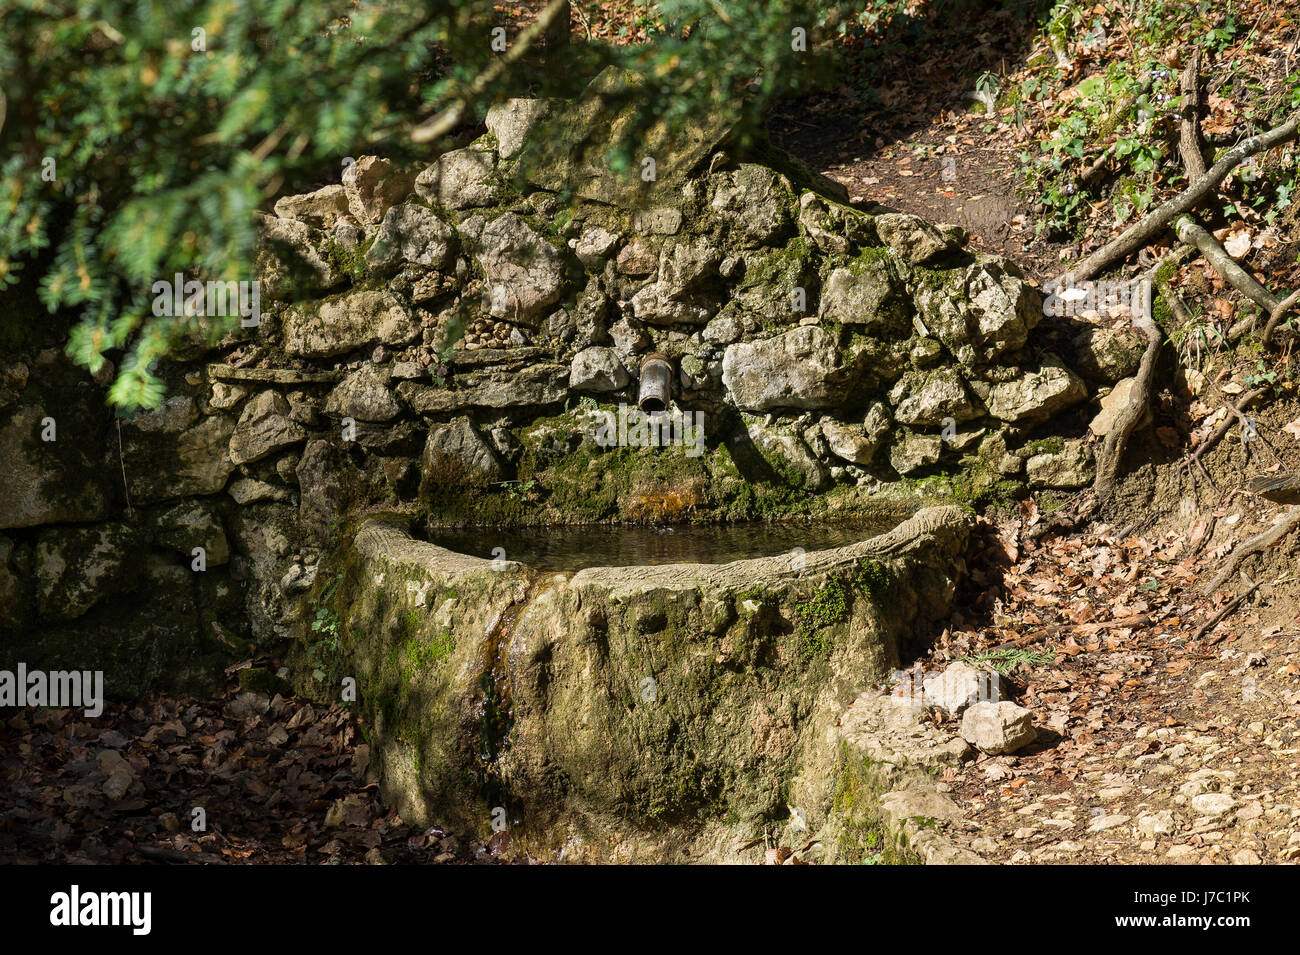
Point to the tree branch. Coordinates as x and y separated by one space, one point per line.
1139 234
443 122
1189 142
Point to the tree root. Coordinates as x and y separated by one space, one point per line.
1260 542
1224 427
1189 131
1112 449
1193 233
1143 232
1218 618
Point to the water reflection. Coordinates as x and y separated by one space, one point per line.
567 549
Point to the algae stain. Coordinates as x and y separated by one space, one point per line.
493 703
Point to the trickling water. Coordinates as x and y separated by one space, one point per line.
568 549
492 707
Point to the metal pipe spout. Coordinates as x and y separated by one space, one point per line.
656 390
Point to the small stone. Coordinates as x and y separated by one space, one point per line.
998 727
1104 821
961 686
1213 804
597 369
1156 824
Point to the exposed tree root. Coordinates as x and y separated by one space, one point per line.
1112 449
1219 617
1143 232
1224 426
1193 233
1189 130
1260 542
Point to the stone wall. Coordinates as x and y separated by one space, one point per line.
446 340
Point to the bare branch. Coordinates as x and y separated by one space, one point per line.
443 122
1141 233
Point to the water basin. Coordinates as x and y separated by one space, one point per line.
569 549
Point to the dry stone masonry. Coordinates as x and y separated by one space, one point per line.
440 341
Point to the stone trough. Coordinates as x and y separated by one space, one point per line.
653 713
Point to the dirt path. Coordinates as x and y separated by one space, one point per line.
952 171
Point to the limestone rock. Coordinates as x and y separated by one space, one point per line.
287 259
723 330
571 158
1104 356
263 428
364 395
224 395
1068 468
345 323
328 481
849 442
689 265
629 337
251 491
979 312
661 220
460 179
1036 393
960 686
997 728
785 453
373 186
799 369
533 385
865 294
455 454
46 482
1213 804
597 369
655 304
912 452
594 245
75 568
927 399
637 258
511 122
164 465
1154 824
194 524
914 239
755 202
833 229
320 209
525 273
412 233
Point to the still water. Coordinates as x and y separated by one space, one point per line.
567 549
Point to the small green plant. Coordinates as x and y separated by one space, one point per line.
326 649
1008 658
876 580
424 655
519 491
828 606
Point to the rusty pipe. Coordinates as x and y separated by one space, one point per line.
656 384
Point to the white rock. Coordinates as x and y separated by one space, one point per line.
597 369
998 727
961 686
1213 804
